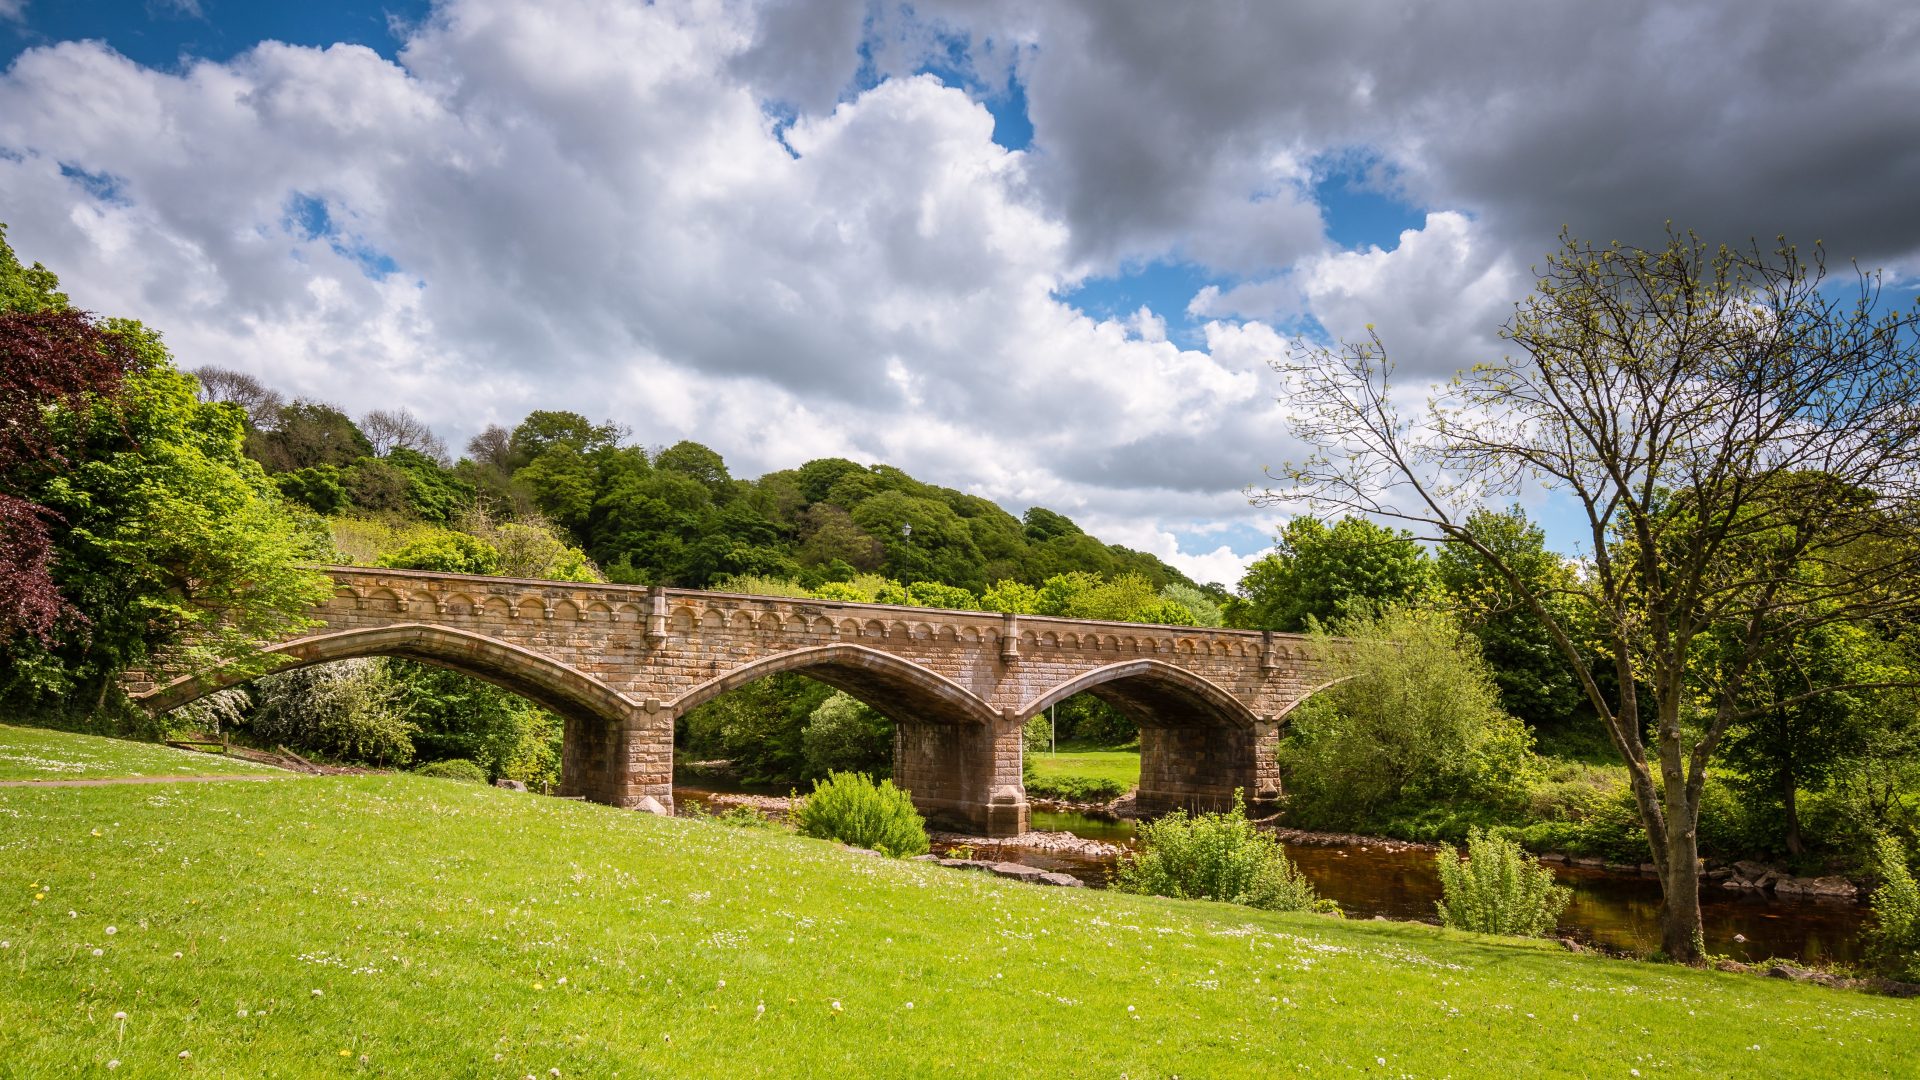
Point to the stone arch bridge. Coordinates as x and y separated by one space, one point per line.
621 663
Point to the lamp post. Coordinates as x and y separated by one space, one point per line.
906 537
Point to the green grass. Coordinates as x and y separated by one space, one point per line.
1094 763
38 754
398 925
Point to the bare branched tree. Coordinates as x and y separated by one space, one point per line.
261 404
1744 444
397 429
493 446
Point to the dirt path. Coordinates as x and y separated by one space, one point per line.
97 781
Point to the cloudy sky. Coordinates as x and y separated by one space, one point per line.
1040 252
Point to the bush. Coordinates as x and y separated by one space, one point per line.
851 808
1893 940
1498 889
345 710
1074 788
1216 857
454 769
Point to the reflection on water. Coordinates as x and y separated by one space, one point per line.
1613 910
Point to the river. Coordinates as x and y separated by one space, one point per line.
1612 910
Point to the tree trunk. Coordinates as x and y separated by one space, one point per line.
1790 801
1680 929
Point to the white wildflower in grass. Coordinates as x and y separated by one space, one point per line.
99 952
176 956
316 993
909 1005
185 1054
836 1006
114 1064
112 931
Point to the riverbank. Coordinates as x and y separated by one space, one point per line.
272 928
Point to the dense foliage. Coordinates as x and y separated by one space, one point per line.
1412 723
1216 856
454 769
851 808
163 540
1497 888
1894 938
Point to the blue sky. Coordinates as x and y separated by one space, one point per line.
582 204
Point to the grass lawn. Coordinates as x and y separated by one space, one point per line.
37 754
399 925
1122 766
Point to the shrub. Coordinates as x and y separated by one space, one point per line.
851 808
1893 939
454 769
1216 856
345 710
1074 788
1498 889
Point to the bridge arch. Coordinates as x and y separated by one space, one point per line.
1151 691
544 681
902 690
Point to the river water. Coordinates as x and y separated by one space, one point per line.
1612 910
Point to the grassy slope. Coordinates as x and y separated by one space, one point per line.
439 920
37 754
1120 766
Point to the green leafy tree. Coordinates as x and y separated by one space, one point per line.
1324 573
1536 683
844 735
309 433
1802 742
446 553
170 544
1413 719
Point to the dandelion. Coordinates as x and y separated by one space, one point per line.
99 952
1380 1061
39 896
96 832
112 931
836 1006
537 986
344 1052
1129 1008
909 1004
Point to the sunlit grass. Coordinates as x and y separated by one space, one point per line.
1121 766
408 926
38 754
